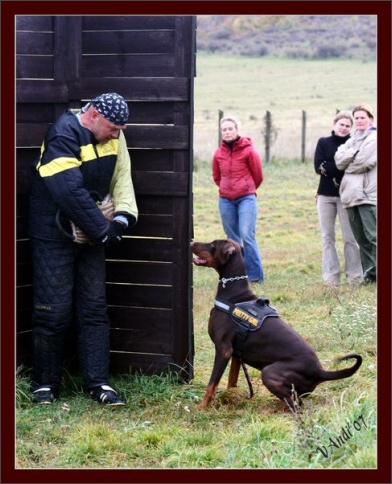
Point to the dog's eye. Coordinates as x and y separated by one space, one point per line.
213 249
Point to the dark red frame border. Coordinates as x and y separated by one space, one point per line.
8 11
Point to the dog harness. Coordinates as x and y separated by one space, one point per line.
248 316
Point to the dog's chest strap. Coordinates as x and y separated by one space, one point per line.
248 316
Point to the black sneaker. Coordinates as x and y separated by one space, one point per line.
44 396
106 394
367 281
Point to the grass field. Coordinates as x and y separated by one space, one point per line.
247 87
160 428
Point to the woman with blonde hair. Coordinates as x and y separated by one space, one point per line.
237 170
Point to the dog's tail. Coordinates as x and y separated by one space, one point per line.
346 372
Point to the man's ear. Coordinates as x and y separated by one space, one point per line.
94 113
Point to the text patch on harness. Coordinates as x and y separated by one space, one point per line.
244 316
248 316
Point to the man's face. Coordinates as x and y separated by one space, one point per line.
103 129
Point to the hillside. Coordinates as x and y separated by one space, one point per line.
292 36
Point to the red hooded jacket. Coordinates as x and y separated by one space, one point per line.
237 171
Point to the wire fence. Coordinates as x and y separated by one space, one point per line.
270 132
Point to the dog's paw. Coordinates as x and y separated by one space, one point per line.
201 406
278 407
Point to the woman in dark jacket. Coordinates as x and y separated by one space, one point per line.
329 206
237 170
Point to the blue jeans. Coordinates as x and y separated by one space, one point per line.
239 223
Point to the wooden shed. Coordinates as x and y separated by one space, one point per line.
64 61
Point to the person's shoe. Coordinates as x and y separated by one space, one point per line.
370 274
367 281
44 396
106 394
255 281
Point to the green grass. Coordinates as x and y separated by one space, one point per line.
247 87
160 428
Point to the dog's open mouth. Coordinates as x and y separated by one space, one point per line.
199 262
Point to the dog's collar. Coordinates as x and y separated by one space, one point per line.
224 280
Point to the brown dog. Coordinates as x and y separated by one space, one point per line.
288 363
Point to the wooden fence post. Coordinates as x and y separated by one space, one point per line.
220 116
303 136
267 136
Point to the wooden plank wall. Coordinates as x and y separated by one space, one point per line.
64 62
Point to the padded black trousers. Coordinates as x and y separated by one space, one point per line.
69 286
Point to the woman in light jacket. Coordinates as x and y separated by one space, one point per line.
358 188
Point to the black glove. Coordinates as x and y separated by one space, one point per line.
114 234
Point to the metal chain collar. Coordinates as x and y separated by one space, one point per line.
231 279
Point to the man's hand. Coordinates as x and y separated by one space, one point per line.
114 234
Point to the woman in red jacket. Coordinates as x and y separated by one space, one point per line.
237 170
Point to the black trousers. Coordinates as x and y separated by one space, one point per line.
69 287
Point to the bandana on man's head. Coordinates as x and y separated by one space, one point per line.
112 106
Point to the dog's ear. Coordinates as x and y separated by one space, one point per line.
224 252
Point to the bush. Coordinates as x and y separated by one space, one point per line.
293 36
328 51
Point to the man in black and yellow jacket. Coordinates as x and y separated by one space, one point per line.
83 160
